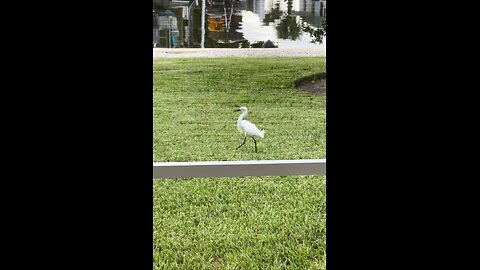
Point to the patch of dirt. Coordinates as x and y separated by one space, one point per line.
316 84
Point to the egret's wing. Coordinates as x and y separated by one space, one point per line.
250 128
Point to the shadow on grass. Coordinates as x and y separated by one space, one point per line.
316 83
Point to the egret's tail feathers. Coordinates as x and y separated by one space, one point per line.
262 134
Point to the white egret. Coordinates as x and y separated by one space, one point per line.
248 128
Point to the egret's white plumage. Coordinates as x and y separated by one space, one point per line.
247 128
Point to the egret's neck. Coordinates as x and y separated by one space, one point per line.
240 118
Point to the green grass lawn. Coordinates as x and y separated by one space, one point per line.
238 223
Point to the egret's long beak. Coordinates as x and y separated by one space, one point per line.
237 110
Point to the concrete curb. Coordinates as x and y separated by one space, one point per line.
241 52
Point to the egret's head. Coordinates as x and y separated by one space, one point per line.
242 109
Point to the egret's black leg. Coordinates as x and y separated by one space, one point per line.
244 140
255 144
